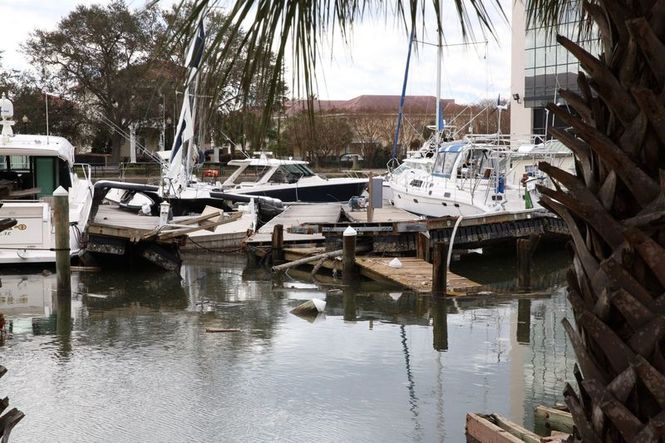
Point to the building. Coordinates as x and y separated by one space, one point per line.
540 67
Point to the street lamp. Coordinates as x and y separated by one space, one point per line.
25 121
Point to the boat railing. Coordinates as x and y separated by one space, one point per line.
86 169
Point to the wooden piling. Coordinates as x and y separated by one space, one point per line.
422 246
439 269
62 263
349 269
61 222
278 244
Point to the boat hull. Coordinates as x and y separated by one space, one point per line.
324 193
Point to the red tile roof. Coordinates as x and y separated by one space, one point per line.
370 103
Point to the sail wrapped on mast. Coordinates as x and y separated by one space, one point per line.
178 172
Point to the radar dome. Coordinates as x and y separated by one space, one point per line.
6 107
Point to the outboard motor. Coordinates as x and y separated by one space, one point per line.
357 203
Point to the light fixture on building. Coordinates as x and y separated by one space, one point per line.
516 97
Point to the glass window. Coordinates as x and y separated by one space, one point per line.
530 58
449 163
438 165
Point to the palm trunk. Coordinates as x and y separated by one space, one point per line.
615 211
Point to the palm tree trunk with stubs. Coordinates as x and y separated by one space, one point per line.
615 210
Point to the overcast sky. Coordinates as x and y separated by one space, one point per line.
373 62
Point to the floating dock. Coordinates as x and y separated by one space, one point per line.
414 274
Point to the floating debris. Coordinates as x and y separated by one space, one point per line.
222 330
310 307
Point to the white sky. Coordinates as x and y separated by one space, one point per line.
372 63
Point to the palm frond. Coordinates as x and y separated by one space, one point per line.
275 27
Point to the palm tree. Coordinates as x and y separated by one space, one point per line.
614 206
615 211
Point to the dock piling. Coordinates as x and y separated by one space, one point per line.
62 263
61 222
278 244
439 269
422 246
349 269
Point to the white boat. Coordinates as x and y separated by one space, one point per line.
31 168
288 180
475 176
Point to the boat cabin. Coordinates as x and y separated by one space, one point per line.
265 170
30 168
469 160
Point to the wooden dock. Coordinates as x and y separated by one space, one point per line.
415 274
295 216
386 214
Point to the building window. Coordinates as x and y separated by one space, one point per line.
548 66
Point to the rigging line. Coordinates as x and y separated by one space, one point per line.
112 125
423 42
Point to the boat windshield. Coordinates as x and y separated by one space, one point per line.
444 163
297 170
252 173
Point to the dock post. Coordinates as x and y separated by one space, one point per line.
422 246
349 254
525 249
62 263
278 244
439 269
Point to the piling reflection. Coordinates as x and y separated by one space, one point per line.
439 324
523 320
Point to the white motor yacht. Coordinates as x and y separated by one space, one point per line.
31 168
288 180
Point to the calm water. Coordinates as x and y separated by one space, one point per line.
381 365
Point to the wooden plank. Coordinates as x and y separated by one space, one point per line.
25 192
517 430
485 431
554 419
182 231
415 274
387 214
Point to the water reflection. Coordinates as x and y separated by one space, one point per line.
379 365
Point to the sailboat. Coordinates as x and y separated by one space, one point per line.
477 175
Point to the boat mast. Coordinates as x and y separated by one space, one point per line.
439 59
400 112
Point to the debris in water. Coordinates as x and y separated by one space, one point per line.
310 307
